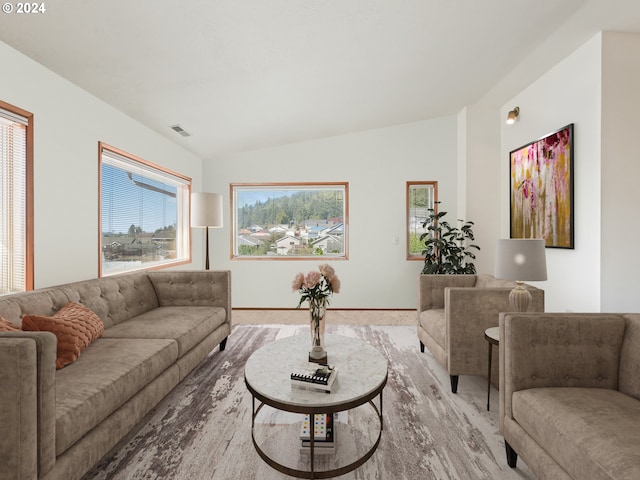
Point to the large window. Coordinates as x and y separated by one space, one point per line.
16 199
290 221
144 214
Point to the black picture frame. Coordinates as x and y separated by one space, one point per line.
541 189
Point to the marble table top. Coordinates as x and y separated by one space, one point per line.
362 370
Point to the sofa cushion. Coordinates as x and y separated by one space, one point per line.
116 298
46 301
7 326
108 374
591 433
186 325
75 327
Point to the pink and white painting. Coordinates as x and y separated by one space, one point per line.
542 189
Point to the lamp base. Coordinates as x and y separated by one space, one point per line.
520 298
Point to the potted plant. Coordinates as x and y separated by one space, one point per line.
446 247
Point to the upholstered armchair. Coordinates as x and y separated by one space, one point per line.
453 313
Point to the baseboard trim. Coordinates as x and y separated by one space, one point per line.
345 316
333 309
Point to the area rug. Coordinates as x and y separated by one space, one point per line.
202 429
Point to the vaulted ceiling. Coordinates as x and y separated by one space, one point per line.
246 74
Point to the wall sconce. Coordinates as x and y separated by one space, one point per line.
512 115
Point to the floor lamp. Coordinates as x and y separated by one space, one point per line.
206 211
522 260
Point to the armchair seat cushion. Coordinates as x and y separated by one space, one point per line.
434 322
590 432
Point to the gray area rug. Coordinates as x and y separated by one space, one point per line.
202 430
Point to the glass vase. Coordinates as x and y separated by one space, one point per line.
317 312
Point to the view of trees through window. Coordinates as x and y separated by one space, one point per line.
288 220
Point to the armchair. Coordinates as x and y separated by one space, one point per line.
453 313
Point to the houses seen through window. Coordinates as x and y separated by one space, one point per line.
144 214
290 221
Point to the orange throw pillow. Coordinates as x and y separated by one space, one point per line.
75 327
7 326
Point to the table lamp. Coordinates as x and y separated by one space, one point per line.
206 211
522 260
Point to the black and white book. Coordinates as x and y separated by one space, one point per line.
314 376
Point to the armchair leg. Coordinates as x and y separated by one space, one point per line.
454 383
421 347
223 344
512 456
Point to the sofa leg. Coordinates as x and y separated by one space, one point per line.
512 456
223 344
421 347
454 383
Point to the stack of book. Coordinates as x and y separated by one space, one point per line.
324 440
314 377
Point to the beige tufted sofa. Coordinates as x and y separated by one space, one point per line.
570 394
453 313
56 424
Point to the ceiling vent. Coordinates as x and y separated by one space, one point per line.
180 130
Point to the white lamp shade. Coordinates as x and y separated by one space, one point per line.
521 259
206 210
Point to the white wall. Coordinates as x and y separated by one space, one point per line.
568 93
377 164
479 132
68 125
595 88
620 220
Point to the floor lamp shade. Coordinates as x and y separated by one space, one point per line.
206 211
522 260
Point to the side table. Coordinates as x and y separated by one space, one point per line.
491 335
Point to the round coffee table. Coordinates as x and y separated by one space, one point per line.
362 375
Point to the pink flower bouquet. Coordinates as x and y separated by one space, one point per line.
316 286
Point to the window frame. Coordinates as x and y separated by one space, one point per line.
183 211
234 188
29 264
430 185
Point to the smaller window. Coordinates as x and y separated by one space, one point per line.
421 196
144 214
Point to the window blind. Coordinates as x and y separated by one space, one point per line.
13 195
144 214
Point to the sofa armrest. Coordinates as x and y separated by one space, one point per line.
431 289
468 313
27 396
558 350
203 288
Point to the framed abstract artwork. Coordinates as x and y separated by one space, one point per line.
541 179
